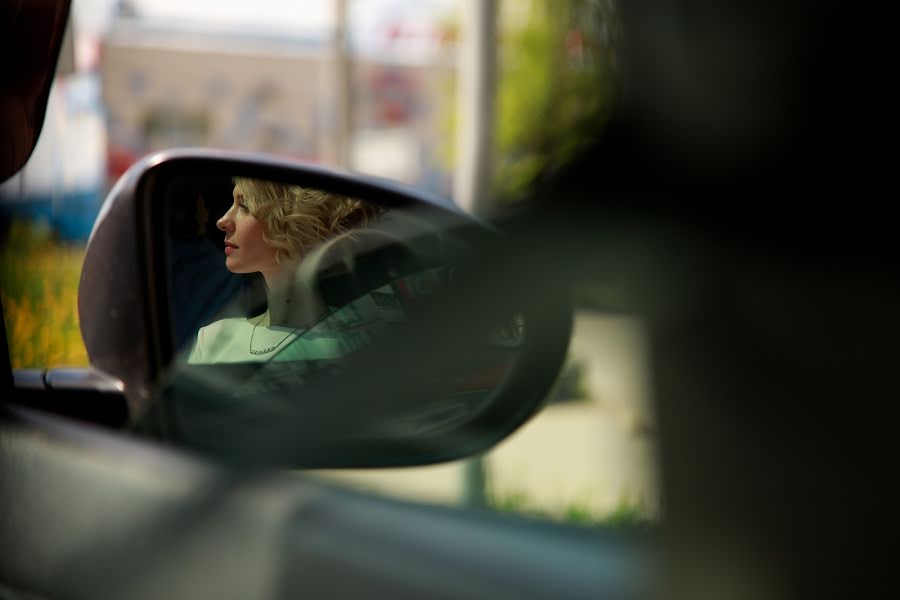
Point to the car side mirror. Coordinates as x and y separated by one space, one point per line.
267 311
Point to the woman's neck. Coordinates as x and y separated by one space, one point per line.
279 292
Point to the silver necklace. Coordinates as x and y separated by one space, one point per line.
264 350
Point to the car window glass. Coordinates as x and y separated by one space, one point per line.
161 81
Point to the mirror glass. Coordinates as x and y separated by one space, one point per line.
300 312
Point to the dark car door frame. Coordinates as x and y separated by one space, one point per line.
90 513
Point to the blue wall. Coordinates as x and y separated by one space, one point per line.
71 217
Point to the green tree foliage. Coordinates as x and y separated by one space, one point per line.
557 63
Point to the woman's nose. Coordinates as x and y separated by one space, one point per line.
224 223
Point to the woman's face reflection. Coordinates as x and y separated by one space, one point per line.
245 249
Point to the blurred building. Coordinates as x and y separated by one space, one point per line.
166 84
62 185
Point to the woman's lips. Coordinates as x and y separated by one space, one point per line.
229 248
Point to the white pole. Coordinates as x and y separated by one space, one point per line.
343 109
474 145
476 75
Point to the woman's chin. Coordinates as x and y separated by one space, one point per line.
238 269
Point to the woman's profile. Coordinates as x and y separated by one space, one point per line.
268 229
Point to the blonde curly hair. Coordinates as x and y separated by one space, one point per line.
296 219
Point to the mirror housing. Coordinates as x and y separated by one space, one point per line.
372 413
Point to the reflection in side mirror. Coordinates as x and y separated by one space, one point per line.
272 232
315 319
